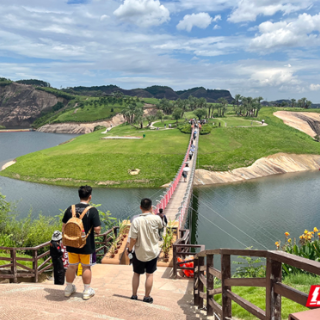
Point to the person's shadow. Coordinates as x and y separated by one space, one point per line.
58 295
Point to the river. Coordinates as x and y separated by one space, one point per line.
253 213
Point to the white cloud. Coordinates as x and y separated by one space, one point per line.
201 20
314 87
143 13
216 27
303 31
103 17
216 18
248 10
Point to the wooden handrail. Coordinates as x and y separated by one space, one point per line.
272 282
36 270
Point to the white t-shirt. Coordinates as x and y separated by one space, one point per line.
145 229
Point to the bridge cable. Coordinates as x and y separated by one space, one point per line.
230 222
230 235
248 217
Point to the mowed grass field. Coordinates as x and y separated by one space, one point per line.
228 148
92 160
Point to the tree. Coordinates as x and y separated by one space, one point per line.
222 106
200 113
159 115
293 103
177 113
308 104
237 99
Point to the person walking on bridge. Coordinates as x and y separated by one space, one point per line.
86 254
144 237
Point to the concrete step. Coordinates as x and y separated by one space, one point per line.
112 284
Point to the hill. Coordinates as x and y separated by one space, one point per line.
21 104
158 92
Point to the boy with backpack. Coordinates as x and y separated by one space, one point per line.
80 223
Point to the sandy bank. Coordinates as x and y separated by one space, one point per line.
8 164
307 122
81 128
271 165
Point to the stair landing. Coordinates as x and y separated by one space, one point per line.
112 284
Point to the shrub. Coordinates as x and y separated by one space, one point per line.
250 267
307 247
185 128
2 127
167 117
96 128
205 129
111 110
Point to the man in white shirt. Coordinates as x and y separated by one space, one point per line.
144 236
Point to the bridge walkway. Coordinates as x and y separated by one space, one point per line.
172 209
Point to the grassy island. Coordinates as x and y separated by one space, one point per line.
237 142
100 162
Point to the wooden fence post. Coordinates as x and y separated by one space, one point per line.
196 282
13 255
273 300
105 249
35 265
225 274
210 284
200 284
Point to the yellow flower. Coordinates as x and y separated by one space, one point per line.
306 231
315 229
277 244
289 240
319 234
301 237
287 234
309 238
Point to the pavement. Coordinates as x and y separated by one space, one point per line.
112 284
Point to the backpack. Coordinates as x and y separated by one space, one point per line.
72 235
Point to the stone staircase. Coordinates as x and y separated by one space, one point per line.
112 284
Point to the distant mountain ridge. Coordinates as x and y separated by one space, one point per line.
158 92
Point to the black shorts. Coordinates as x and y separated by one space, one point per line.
141 267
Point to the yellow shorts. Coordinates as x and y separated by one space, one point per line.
86 260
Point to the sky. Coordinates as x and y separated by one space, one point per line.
267 48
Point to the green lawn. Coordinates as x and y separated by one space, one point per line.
88 113
167 122
89 159
228 148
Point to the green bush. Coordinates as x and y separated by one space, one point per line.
2 127
205 129
96 128
185 128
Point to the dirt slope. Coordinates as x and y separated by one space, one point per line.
307 122
21 104
274 164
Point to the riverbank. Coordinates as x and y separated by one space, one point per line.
7 165
81 128
279 163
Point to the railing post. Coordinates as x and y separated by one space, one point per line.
196 282
200 284
13 255
225 274
174 248
105 242
273 300
35 265
210 286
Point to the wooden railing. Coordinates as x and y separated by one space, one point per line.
181 249
15 270
205 272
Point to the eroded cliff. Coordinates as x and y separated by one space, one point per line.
21 104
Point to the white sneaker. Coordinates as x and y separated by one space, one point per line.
88 294
69 291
